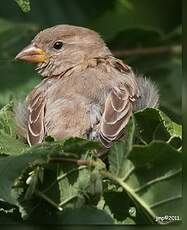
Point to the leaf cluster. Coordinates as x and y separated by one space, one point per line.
62 181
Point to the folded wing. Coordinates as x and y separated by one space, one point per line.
35 125
118 106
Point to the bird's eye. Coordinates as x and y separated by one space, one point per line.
58 45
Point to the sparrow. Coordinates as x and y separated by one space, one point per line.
85 91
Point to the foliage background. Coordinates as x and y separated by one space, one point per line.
145 34
124 24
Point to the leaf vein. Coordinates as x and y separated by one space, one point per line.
165 201
151 182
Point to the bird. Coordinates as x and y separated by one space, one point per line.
84 91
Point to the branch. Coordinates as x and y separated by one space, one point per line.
149 51
46 198
79 162
70 160
59 178
67 200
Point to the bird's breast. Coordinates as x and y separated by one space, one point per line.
92 85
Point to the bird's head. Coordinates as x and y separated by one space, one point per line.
61 47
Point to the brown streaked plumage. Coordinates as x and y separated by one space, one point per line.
85 91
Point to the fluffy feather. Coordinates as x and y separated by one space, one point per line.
149 94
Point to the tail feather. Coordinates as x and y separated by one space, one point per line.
149 94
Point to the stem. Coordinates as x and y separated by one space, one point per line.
69 160
179 149
59 178
67 200
143 141
79 162
170 139
149 51
46 198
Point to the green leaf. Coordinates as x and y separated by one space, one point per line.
24 5
157 152
17 164
135 24
120 150
79 146
9 214
79 186
149 178
127 221
70 185
8 177
151 120
10 143
174 129
39 192
7 123
85 215
95 183
94 189
118 203
34 180
17 93
68 177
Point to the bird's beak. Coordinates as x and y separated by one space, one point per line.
32 54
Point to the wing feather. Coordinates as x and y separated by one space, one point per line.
35 126
114 118
119 105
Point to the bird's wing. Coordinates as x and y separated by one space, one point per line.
35 125
118 106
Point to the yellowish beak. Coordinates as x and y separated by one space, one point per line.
32 54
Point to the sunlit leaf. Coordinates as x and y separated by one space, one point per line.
24 5
10 143
150 121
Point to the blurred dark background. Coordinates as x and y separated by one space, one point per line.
146 34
